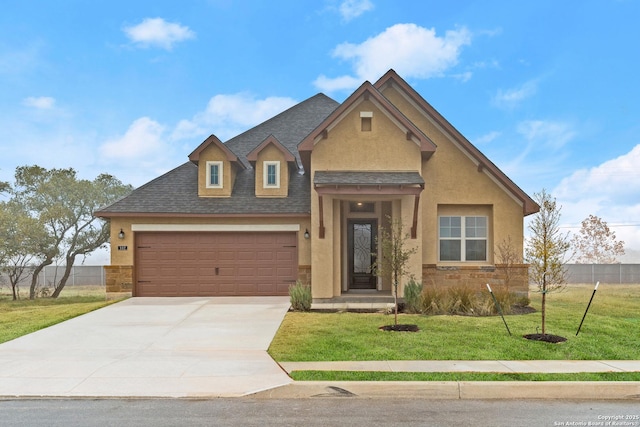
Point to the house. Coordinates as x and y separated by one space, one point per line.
304 195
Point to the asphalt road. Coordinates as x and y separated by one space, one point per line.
333 411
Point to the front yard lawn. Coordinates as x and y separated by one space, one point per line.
609 332
24 316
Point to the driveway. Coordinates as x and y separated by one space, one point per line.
151 347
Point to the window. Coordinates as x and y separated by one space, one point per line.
463 238
272 174
214 174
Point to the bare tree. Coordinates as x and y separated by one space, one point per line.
546 250
596 243
510 258
395 256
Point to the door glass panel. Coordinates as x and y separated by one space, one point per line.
361 248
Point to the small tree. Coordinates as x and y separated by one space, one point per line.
596 243
395 257
546 249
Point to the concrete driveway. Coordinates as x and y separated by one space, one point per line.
151 347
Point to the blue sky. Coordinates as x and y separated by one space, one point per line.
548 90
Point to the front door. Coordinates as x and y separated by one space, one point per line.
361 247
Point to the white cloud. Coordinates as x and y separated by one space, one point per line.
228 115
550 134
158 32
610 190
411 50
487 138
511 98
143 140
41 102
350 9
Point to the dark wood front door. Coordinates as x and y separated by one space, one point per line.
361 247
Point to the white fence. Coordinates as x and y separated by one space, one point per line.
81 275
603 273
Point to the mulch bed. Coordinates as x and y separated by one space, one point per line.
400 328
545 337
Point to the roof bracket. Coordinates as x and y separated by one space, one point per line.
325 134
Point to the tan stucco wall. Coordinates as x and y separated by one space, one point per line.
214 153
348 148
452 178
271 153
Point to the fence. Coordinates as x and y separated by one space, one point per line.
81 275
603 273
93 275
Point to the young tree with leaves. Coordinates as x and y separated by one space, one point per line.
546 250
395 257
596 243
63 205
22 238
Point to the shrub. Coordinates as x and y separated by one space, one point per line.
432 301
300 296
412 291
462 300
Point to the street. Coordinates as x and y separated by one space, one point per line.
342 411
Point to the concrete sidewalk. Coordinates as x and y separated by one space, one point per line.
498 366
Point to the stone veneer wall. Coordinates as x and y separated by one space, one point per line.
118 280
478 276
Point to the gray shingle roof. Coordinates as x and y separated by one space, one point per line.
367 178
176 192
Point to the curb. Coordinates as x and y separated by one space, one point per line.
458 390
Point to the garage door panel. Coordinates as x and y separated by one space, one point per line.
202 264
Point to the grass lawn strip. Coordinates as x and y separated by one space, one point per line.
459 376
26 316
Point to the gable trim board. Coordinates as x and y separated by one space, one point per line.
406 164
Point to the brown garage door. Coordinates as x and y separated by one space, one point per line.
215 264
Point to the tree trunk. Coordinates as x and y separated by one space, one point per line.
395 298
544 303
34 279
63 280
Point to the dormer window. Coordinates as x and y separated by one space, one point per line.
214 174
271 174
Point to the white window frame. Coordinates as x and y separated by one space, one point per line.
265 172
464 238
220 166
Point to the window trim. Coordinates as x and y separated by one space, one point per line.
265 173
220 166
463 239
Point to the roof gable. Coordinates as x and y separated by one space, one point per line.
213 140
483 163
365 92
271 140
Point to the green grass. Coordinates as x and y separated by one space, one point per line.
459 376
608 333
24 316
